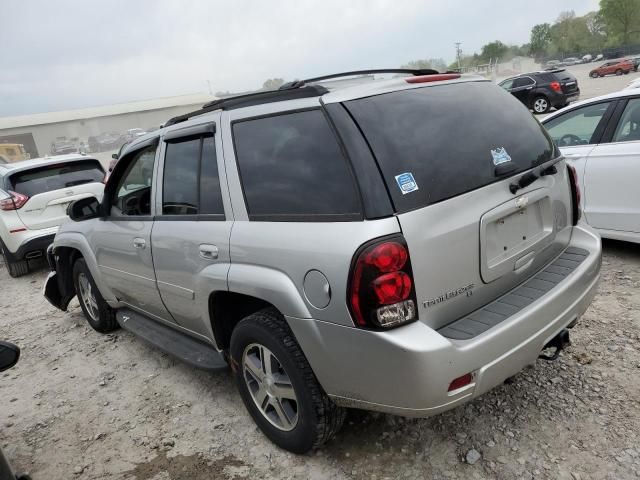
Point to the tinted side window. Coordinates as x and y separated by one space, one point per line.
191 184
576 127
210 195
507 84
180 185
291 165
522 82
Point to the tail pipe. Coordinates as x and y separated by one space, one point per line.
559 342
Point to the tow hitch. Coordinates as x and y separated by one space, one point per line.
558 342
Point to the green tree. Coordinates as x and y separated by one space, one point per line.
540 39
273 83
493 51
622 18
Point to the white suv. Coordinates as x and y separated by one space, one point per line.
34 195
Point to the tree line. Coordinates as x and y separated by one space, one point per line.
616 23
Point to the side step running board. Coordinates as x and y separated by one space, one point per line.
189 350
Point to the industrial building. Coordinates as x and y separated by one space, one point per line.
38 132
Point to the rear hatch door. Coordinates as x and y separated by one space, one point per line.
52 188
568 82
443 151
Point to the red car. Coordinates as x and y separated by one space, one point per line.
615 66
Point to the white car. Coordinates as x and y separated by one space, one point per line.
34 195
633 84
600 137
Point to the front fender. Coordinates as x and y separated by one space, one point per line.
270 285
77 241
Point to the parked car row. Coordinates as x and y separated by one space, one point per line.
553 64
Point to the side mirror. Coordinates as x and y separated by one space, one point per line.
84 209
9 355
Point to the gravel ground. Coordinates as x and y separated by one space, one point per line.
87 406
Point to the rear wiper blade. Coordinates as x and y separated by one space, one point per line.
528 178
524 181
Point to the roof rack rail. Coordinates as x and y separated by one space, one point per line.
301 83
250 99
289 91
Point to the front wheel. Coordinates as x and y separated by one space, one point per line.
541 104
98 313
277 385
593 74
619 72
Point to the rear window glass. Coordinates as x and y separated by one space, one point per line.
433 143
292 168
56 177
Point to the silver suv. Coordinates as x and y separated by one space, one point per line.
400 245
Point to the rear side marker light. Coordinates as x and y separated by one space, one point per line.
17 230
14 202
460 382
381 291
432 78
556 87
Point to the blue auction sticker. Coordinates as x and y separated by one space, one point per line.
406 182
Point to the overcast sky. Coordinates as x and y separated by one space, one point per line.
59 55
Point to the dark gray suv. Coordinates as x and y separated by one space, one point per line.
401 245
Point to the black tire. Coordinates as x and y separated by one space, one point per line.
540 100
105 316
318 418
594 75
619 72
15 269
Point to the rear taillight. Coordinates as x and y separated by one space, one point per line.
14 202
556 87
381 292
575 193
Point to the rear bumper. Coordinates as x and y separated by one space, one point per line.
407 371
32 244
562 99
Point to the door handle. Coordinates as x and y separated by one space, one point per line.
139 243
208 252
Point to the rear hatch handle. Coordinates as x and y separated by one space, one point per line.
530 177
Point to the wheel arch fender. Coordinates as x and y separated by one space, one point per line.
76 241
271 285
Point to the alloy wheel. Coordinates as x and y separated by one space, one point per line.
87 297
540 105
270 387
